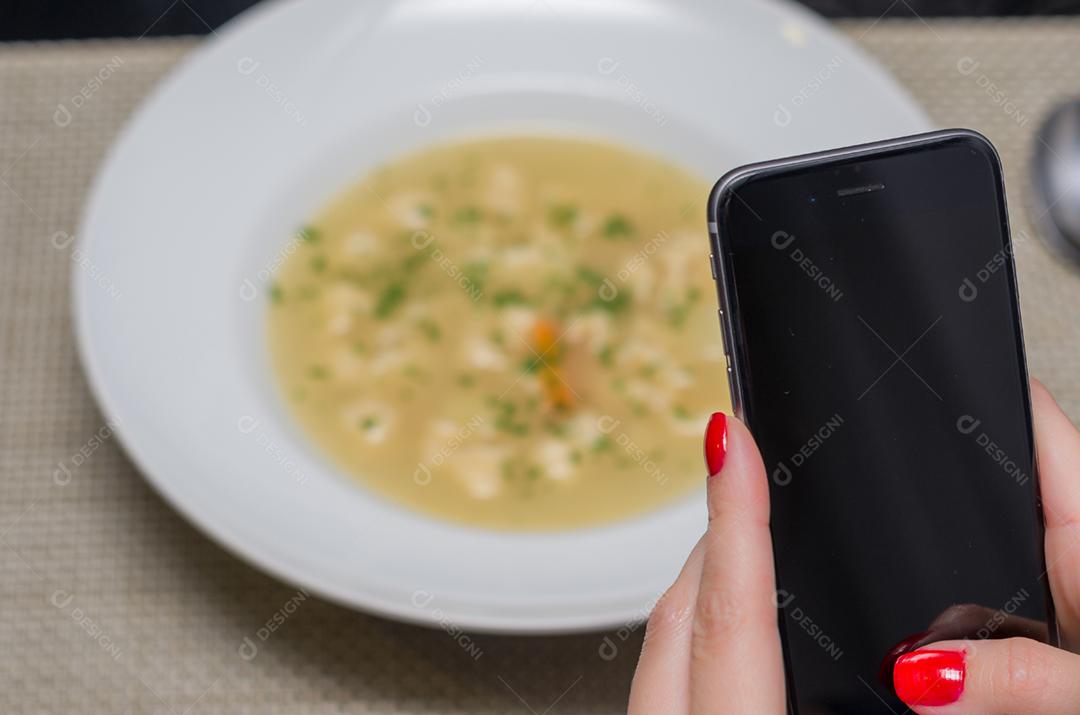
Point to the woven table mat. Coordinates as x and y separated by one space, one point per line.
111 603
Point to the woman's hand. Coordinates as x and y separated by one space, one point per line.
1017 675
712 644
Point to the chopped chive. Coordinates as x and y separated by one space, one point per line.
368 423
556 282
606 356
467 215
390 299
426 210
617 304
590 276
309 234
466 380
532 473
318 264
681 412
411 263
504 420
602 443
618 226
677 315
508 297
431 330
277 295
562 215
531 365
359 348
476 274
515 428
318 372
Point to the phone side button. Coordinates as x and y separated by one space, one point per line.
712 265
724 332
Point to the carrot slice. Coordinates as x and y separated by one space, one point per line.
545 334
545 338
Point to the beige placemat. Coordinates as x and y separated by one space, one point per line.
110 603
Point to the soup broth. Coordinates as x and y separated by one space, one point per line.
512 333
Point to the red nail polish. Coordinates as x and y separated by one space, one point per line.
885 669
716 442
929 677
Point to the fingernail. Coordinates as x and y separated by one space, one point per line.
885 669
716 442
929 677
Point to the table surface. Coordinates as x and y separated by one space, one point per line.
110 602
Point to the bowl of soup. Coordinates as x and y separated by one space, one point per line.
510 333
416 314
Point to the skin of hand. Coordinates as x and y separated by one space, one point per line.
712 644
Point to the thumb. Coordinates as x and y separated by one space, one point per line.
736 661
989 677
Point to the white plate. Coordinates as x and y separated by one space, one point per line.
261 125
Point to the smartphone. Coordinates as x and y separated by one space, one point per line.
871 325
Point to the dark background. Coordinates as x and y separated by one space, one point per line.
57 19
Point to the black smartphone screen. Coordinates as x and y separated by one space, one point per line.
875 336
